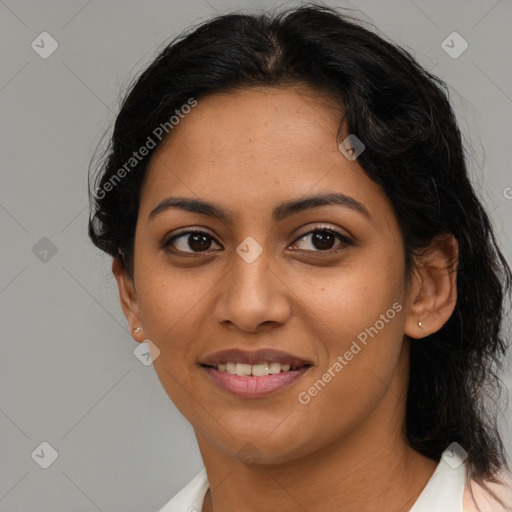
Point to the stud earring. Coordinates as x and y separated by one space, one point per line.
137 329
420 323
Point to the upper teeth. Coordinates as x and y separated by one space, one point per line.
252 369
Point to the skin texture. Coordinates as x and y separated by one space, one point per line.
248 151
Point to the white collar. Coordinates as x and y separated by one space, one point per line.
443 492
190 498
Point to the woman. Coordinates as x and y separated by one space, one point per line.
295 236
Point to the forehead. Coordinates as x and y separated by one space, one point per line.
259 144
233 125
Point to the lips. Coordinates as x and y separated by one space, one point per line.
254 387
255 357
254 374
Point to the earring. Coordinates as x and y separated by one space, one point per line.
420 323
137 329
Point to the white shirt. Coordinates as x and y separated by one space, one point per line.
443 493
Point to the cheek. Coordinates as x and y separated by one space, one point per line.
171 299
347 299
357 311
356 374
170 303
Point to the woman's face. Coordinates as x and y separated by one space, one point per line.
260 280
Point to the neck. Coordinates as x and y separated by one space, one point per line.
384 480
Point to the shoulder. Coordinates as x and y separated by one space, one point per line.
484 500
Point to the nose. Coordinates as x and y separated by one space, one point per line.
253 296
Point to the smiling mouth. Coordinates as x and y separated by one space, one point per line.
255 370
256 373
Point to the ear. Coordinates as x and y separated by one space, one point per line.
433 287
128 298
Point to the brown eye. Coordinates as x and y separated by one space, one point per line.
190 241
324 240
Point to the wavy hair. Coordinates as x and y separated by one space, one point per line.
414 150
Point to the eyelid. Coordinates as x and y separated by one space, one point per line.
322 226
186 231
345 240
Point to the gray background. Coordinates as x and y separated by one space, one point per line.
68 373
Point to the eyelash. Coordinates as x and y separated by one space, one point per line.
344 241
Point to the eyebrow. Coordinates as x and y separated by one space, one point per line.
280 212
